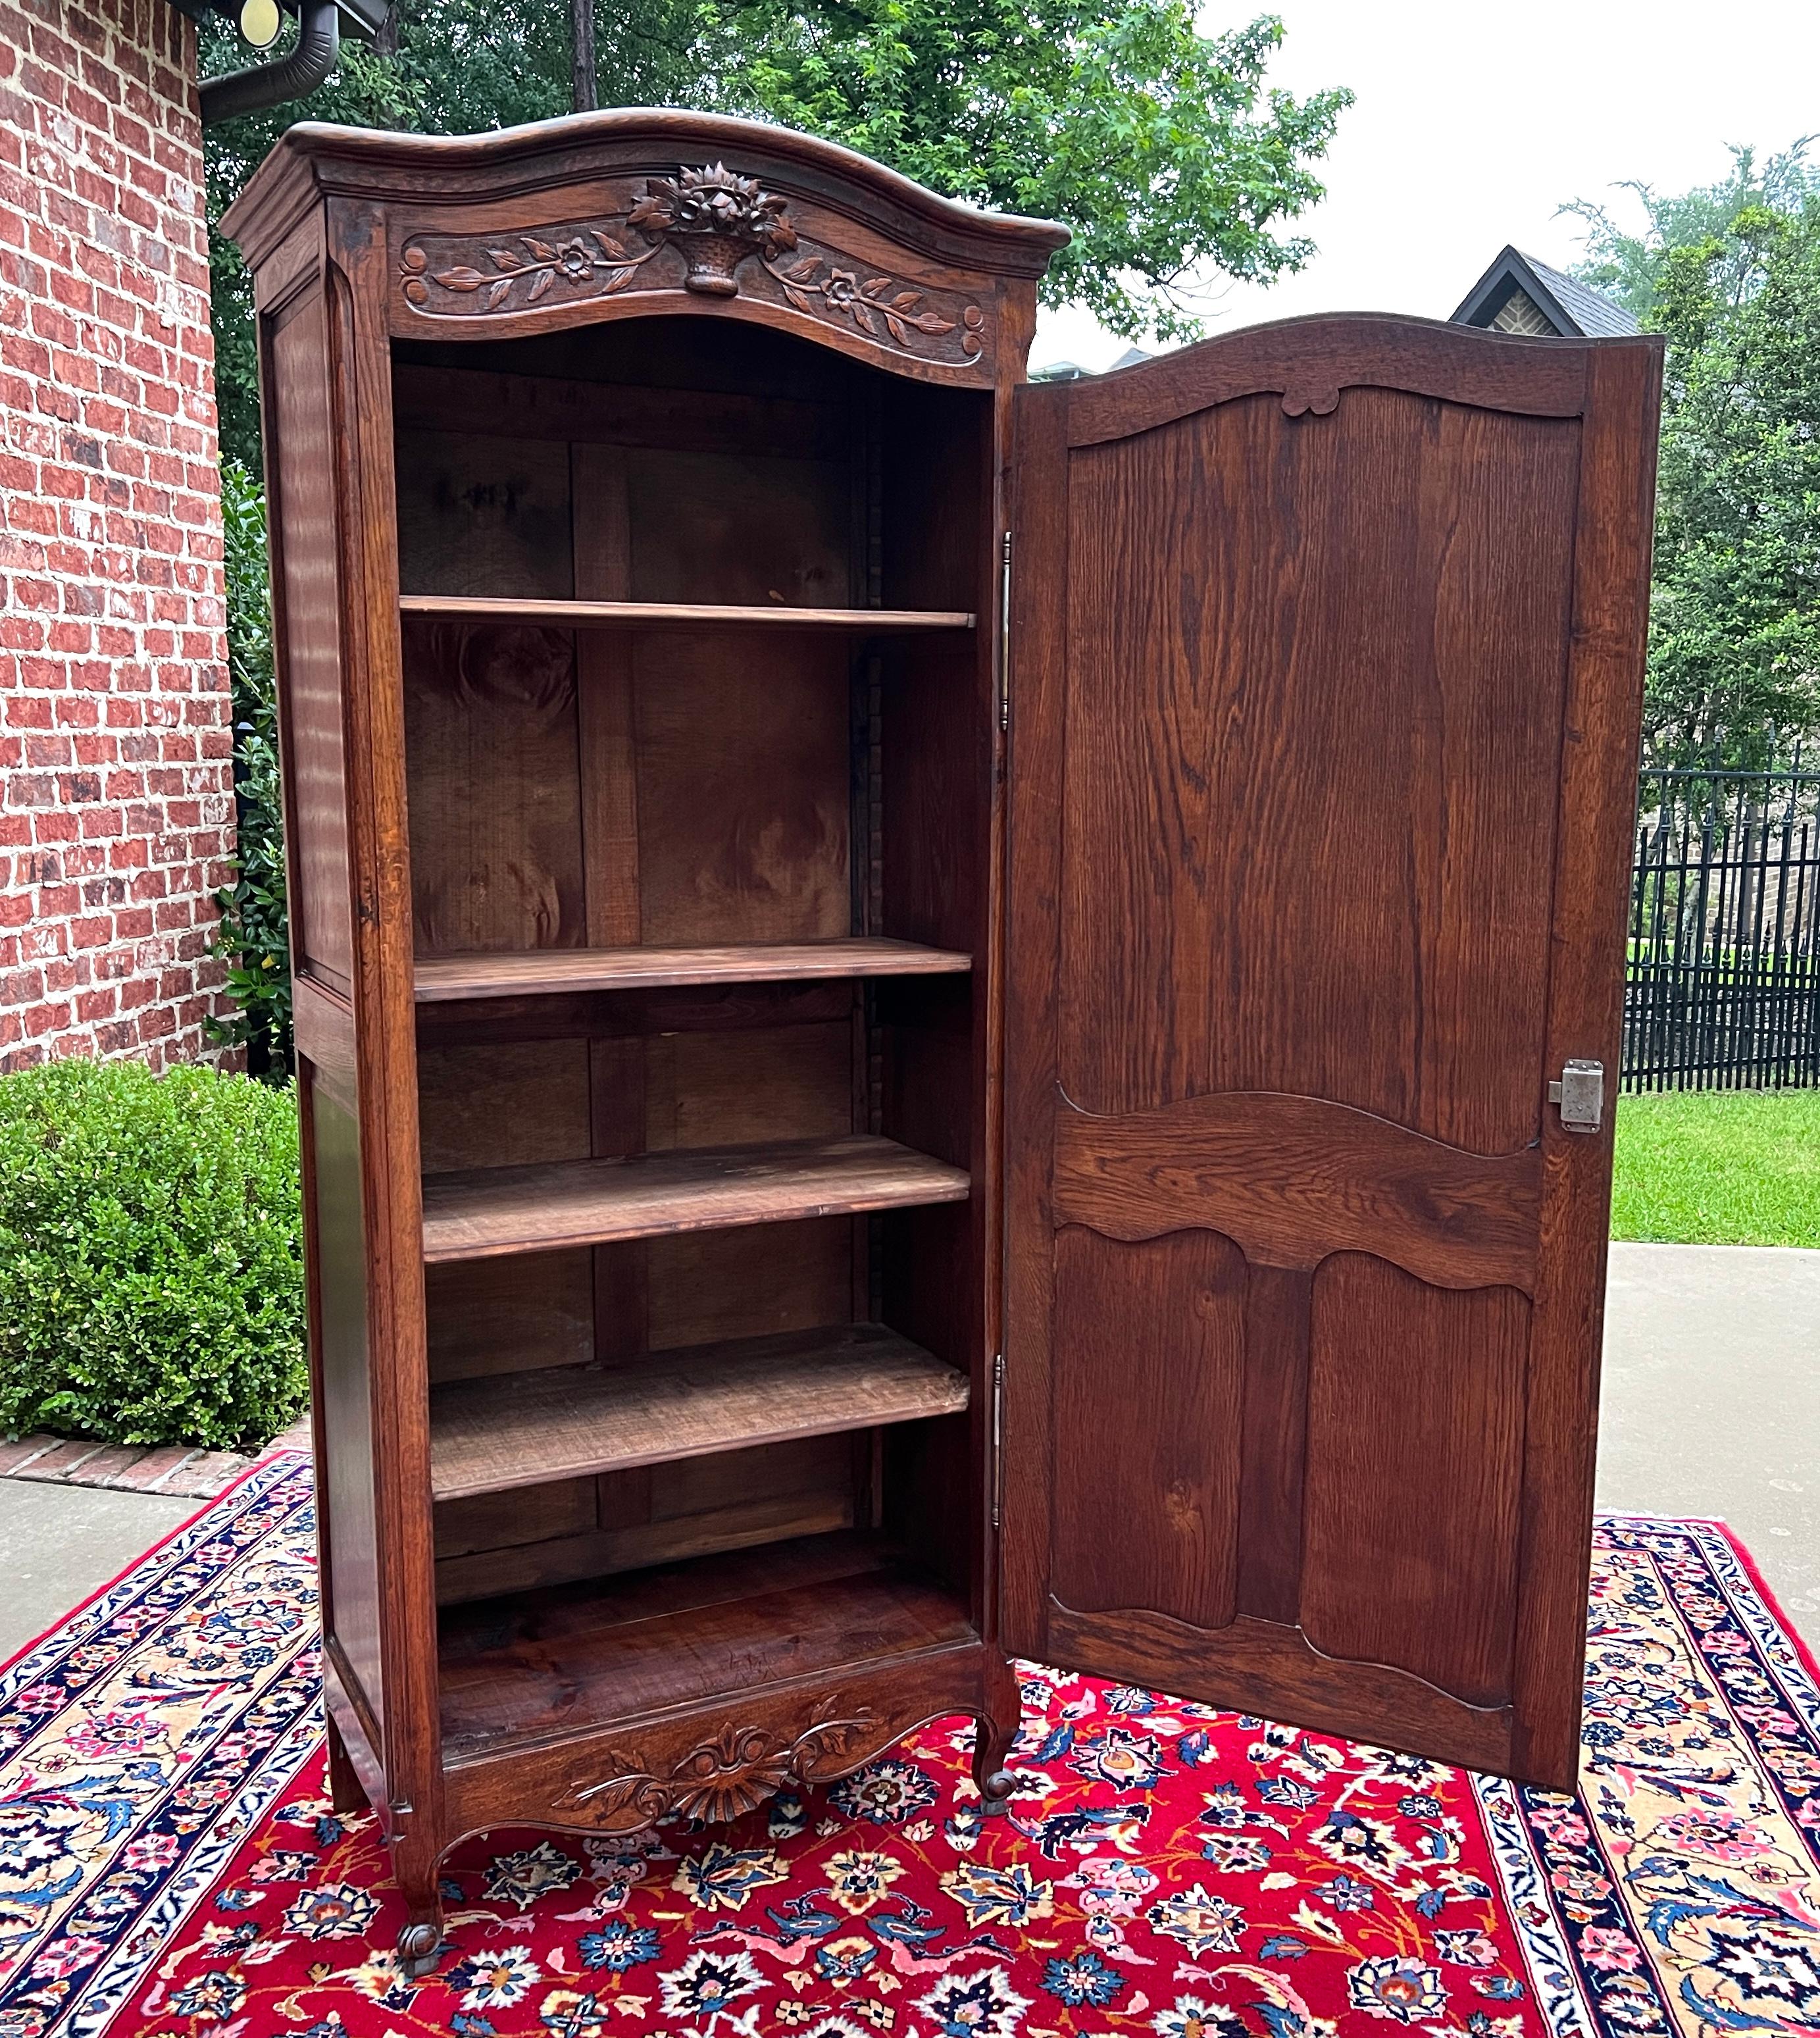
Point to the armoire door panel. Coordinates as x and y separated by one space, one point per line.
1323 744
1153 1493
1436 1446
1294 644
1266 1667
1291 1178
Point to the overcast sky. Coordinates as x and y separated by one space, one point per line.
1473 123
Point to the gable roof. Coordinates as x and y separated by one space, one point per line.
1573 310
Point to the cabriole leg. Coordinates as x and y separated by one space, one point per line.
420 1936
993 1733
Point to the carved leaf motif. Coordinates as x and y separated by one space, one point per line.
545 278
608 245
499 293
541 249
502 258
723 1778
460 279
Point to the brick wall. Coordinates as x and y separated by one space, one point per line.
116 807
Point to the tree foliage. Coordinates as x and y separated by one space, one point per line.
252 935
1730 275
1164 149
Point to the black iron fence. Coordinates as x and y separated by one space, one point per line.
1723 990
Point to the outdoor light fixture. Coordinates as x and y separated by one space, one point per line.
258 23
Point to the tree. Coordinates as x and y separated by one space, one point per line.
1731 274
1159 147
1628 266
1162 148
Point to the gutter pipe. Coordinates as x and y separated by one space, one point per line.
311 59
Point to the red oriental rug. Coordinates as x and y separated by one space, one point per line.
169 1863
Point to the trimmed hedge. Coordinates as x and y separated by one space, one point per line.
151 1257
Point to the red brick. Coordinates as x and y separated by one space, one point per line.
115 793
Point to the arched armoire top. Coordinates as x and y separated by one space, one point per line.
644 211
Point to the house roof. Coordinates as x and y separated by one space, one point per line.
1570 307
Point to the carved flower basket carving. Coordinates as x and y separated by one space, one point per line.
716 220
722 1778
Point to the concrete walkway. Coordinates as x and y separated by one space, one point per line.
1711 1406
57 1544
1712 1401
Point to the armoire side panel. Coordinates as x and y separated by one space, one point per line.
345 1413
305 566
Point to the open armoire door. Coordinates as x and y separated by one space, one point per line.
1326 670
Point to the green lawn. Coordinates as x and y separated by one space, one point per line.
1719 1168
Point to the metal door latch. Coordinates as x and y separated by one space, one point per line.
1581 1093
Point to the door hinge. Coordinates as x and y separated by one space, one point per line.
1580 1094
997 1438
1004 633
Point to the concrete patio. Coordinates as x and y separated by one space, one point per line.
1712 1407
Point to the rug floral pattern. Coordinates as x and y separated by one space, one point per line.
169 1865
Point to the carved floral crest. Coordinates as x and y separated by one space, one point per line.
717 221
718 218
733 1773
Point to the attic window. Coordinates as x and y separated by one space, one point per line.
1519 313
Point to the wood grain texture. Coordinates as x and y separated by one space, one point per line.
306 631
1262 1668
477 520
442 977
1598 809
679 787
1421 550
571 1783
478 1212
682 615
609 1522
343 1410
1272 1443
1293 1178
523 1429
1165 1319
496 852
1310 362
580 413
324 1027
1410 1508
557 1662
487 1104
742 790
1293 695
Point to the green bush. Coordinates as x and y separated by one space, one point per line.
151 1259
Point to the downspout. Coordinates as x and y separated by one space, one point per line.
311 59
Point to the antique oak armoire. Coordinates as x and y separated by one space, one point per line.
926 1006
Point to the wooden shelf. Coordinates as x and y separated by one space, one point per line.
526 1669
482 1213
533 971
681 614
525 1429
